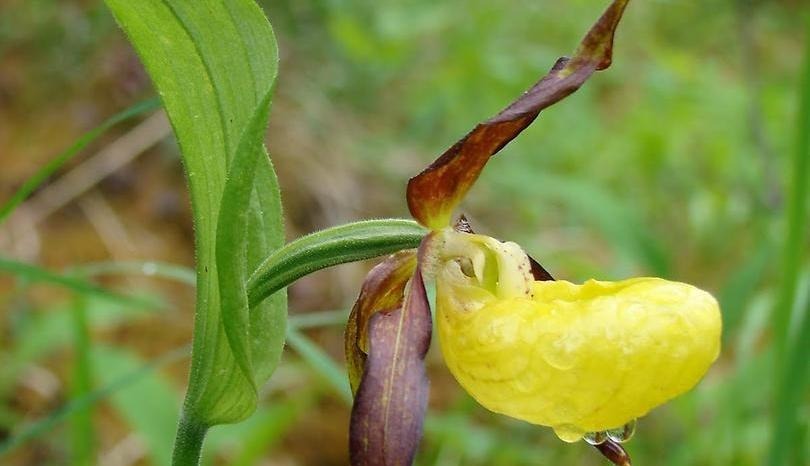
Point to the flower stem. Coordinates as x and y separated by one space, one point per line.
189 441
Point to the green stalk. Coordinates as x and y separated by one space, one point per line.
82 421
350 242
189 441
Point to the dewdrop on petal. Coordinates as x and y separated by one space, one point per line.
623 433
595 438
581 359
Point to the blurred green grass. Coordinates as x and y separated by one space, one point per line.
682 160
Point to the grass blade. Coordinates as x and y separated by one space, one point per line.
81 385
51 167
38 274
796 217
318 319
163 270
321 363
792 349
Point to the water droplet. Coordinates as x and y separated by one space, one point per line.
568 433
623 433
561 354
595 438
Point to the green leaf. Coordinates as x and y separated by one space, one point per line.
42 426
332 246
148 403
86 139
214 64
232 253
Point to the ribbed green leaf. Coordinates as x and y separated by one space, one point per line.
232 248
332 246
213 64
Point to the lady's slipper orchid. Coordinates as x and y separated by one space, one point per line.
585 359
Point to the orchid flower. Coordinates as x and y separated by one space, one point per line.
585 360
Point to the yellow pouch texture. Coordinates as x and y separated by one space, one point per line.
578 358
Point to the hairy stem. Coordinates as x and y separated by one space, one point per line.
189 441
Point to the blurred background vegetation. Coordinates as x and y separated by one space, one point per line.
680 161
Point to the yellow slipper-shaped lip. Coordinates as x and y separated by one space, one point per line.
578 358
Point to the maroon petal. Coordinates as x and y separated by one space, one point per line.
538 272
383 290
390 404
434 193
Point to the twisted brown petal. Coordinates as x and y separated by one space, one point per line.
434 193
